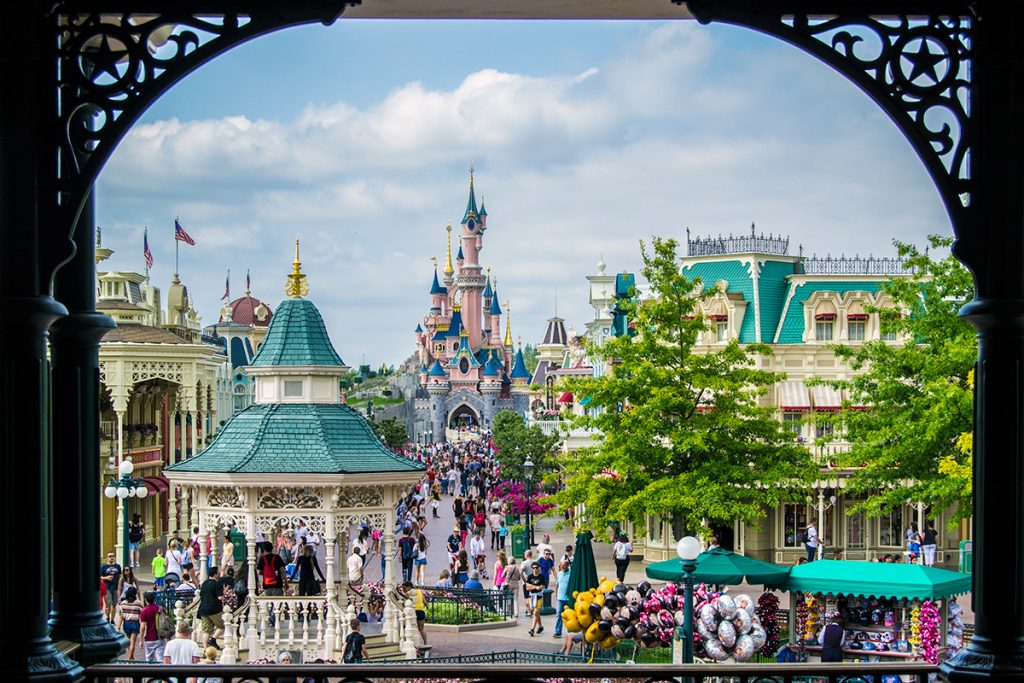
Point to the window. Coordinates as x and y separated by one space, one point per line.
293 388
824 426
855 531
793 423
856 331
823 330
721 331
464 366
888 335
794 523
890 528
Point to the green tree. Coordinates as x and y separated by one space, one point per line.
530 357
516 441
683 434
391 432
913 442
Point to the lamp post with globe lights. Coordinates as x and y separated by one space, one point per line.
821 506
688 550
528 474
122 488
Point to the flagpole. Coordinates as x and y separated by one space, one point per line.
145 233
176 248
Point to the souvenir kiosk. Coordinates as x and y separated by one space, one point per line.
887 610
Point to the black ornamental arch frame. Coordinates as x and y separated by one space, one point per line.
79 73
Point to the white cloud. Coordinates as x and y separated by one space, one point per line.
652 140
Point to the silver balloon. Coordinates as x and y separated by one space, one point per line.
705 632
727 633
726 606
760 637
742 620
744 649
709 616
716 650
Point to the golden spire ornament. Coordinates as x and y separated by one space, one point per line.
508 324
296 287
448 270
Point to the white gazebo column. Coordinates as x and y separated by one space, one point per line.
330 633
204 539
172 456
391 616
250 575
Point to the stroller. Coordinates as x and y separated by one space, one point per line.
481 565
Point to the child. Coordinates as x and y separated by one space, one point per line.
355 645
502 533
159 568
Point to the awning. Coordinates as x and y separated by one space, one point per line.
794 396
826 397
720 566
567 397
875 579
156 484
585 401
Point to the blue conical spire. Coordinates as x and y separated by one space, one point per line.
519 370
436 287
495 308
436 370
487 289
459 256
471 211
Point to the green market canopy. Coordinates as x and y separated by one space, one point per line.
723 567
875 579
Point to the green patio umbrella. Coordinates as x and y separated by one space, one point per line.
723 567
583 575
878 579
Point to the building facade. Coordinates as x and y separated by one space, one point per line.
468 369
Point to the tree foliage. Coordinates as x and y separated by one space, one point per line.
914 440
516 441
683 434
391 432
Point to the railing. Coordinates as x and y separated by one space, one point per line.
310 624
505 657
856 265
456 606
711 246
168 598
505 673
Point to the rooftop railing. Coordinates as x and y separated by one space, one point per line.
856 265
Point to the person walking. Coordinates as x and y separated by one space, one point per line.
420 563
812 542
535 590
355 645
130 609
159 565
355 566
211 608
110 575
270 573
307 563
561 594
461 568
182 650
495 520
227 556
127 581
175 560
929 544
620 553
500 562
913 537
136 532
407 553
152 643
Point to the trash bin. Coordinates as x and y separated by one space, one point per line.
966 557
545 605
519 543
237 539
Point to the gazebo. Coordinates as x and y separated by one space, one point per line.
298 455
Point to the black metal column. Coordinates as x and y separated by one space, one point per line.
27 72
993 247
77 615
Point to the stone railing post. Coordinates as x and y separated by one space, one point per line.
409 640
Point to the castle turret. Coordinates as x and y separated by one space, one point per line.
471 280
490 387
494 315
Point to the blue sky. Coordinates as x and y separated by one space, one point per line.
586 136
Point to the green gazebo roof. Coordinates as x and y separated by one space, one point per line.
297 336
293 438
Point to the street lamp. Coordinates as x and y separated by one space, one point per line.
688 550
821 506
122 488
528 473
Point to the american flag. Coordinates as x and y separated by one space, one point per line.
181 235
146 253
227 287
247 287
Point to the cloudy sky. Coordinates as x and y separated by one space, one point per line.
586 137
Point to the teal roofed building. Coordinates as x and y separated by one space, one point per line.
759 290
297 458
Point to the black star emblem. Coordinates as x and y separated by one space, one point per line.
105 59
924 62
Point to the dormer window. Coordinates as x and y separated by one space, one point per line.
824 321
856 322
293 388
722 331
719 317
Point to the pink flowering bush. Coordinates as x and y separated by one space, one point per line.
513 494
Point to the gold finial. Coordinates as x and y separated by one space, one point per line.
448 270
296 287
508 324
520 342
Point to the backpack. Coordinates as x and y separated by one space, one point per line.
480 519
351 655
408 548
269 571
164 625
195 548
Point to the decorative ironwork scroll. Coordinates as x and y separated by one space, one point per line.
116 61
316 524
917 68
280 498
358 497
225 497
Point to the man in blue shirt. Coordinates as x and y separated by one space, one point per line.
547 563
474 582
562 594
